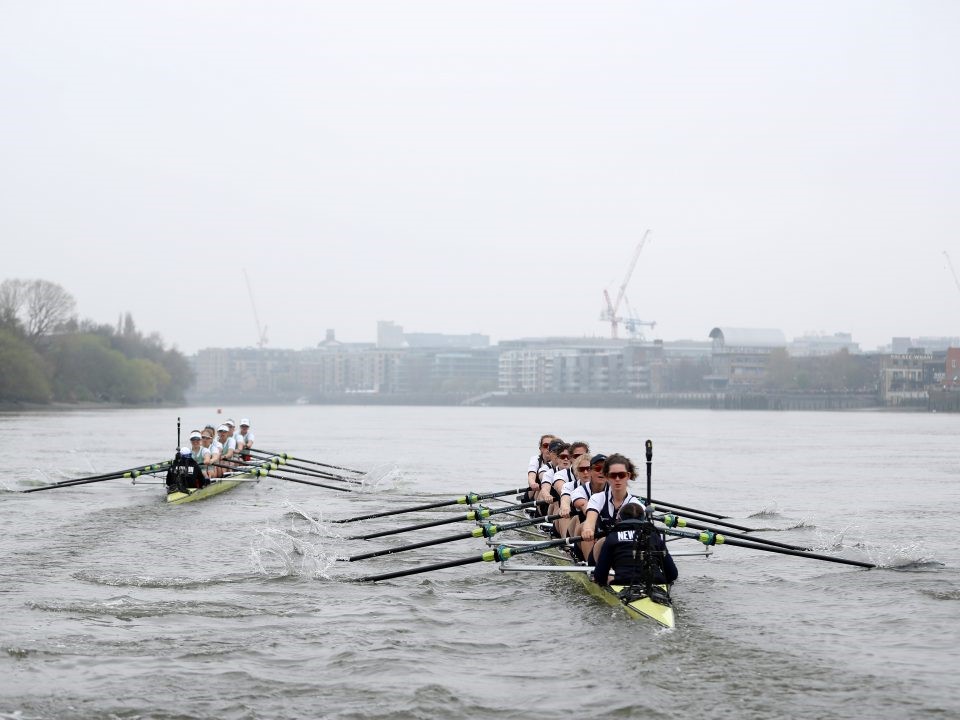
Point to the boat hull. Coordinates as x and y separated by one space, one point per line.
642 608
214 488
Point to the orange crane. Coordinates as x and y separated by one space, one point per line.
611 309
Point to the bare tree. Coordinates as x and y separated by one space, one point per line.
47 306
12 298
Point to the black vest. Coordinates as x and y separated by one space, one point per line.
637 550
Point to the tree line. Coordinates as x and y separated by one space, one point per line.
48 354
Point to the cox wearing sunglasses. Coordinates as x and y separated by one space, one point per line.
604 507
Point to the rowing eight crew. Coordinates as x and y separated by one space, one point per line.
592 496
228 448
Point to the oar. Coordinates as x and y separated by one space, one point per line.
110 475
673 521
480 513
730 525
497 554
311 462
133 473
712 538
468 499
487 530
300 469
674 506
269 469
272 473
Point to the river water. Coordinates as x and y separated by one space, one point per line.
115 605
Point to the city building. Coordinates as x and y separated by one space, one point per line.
740 356
813 345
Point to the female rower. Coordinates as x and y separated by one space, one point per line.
553 477
246 436
536 462
575 502
564 476
198 452
604 507
210 464
575 494
229 446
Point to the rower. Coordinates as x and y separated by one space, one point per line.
533 468
208 440
555 474
578 449
246 436
198 452
603 509
228 444
574 498
634 549
233 433
566 476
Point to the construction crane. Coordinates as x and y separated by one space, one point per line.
261 332
611 309
952 271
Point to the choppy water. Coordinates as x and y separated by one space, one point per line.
114 604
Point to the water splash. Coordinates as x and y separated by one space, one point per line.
802 523
383 479
298 516
296 556
912 556
768 512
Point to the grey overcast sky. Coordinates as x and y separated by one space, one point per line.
484 166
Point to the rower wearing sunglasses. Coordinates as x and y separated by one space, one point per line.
536 462
575 495
552 474
604 507
565 475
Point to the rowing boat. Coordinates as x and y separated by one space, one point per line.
178 496
633 600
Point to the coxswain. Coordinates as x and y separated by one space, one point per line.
632 563
533 468
603 508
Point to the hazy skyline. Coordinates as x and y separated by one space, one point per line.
484 166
